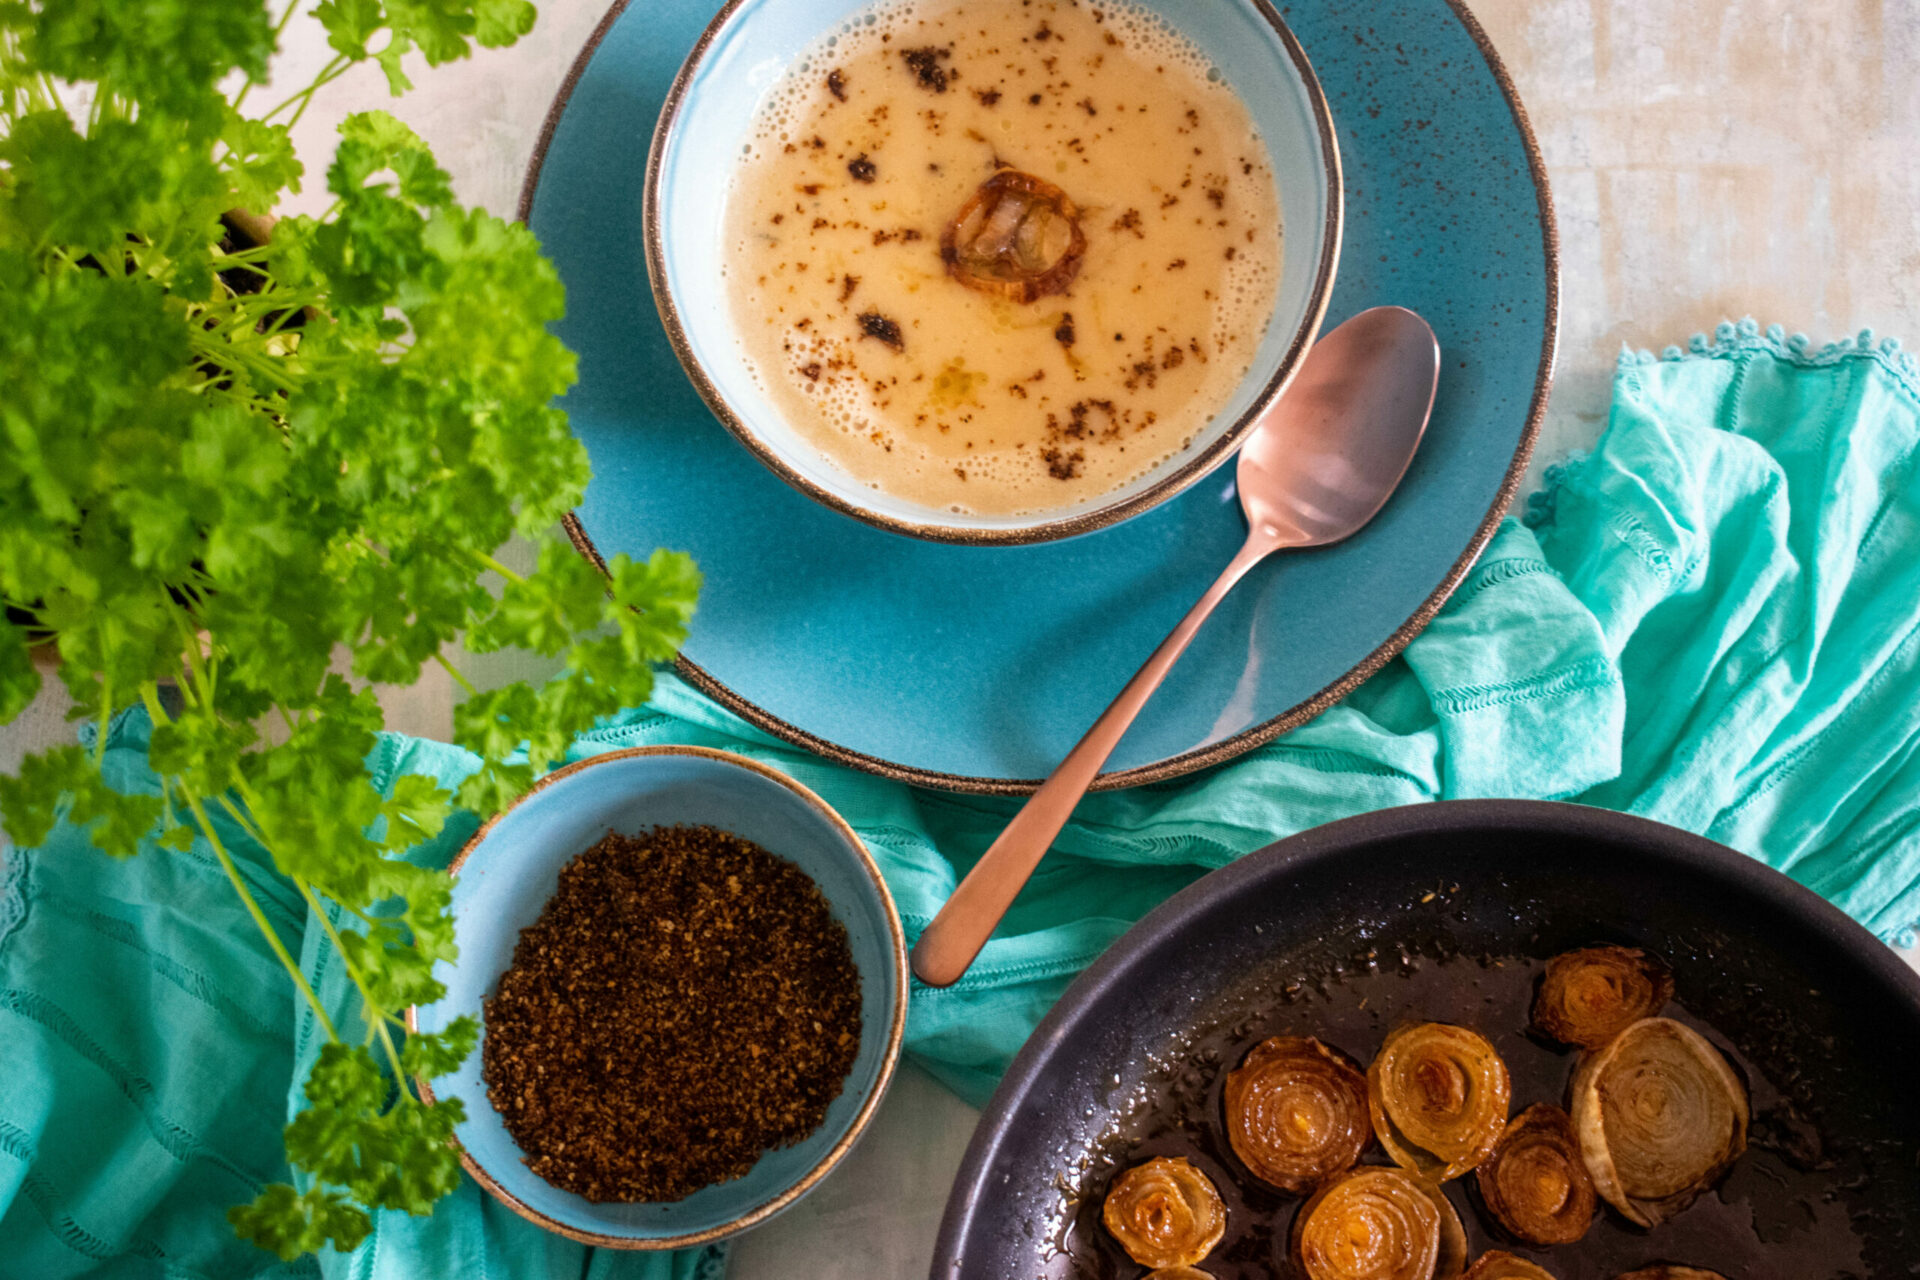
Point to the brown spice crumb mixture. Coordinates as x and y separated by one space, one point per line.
684 1003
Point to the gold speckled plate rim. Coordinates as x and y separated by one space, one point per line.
896 1024
1228 748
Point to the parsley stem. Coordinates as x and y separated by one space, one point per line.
293 7
279 28
393 1056
376 1013
253 909
497 567
195 688
151 694
285 318
241 820
328 74
106 714
458 678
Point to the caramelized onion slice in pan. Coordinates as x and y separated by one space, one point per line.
1372 1224
1588 997
1296 1112
1535 1184
1164 1213
1016 237
1660 1115
1498 1264
1439 1096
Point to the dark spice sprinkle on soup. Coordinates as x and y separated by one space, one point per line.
685 1002
926 68
876 326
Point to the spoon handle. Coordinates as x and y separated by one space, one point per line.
964 924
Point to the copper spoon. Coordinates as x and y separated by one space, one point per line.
1319 464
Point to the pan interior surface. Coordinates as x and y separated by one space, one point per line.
1448 912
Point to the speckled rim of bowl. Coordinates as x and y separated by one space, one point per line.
896 1028
1175 481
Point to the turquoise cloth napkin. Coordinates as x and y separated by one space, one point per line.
1711 621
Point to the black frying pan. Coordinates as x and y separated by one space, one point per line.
1824 1018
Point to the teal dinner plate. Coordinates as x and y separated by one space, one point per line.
977 668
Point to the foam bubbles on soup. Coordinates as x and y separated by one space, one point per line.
849 293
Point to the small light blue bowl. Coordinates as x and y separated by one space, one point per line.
508 871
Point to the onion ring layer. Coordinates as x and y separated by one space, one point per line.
1164 1213
1590 996
1372 1224
1439 1096
1535 1184
1660 1116
1296 1113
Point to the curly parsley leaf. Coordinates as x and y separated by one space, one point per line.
396 1157
19 682
437 1053
64 781
287 1222
442 30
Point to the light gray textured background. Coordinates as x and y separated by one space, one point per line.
1709 160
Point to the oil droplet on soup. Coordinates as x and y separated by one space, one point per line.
1002 257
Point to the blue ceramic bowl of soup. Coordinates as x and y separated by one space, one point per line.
504 878
747 58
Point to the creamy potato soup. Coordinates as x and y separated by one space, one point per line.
1002 256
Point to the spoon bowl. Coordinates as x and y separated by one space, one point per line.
1324 458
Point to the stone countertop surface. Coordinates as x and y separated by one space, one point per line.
1709 161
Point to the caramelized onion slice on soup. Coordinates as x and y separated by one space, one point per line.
1660 1115
1296 1112
1164 1213
1439 1096
1498 1264
1377 1224
1017 237
1588 997
1535 1184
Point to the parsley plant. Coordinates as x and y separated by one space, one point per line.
225 462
